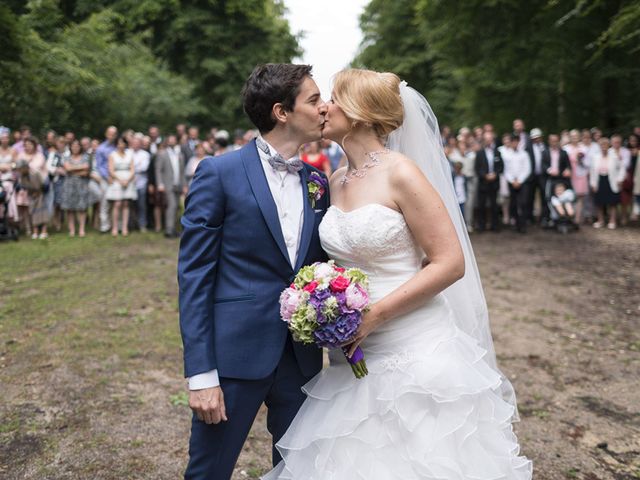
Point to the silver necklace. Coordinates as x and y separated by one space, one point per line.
362 171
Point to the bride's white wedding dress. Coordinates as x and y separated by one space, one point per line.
428 408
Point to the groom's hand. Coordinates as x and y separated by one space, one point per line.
208 404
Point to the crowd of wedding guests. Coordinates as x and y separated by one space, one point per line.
128 180
138 180
559 180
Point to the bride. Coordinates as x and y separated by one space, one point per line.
434 405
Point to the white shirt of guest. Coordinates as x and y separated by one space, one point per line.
286 190
517 166
141 159
538 148
488 151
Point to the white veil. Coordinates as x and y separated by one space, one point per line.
419 139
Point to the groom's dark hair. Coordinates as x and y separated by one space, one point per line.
269 84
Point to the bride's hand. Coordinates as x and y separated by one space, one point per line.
370 321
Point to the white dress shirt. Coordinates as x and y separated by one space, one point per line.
174 157
538 148
488 151
141 160
286 190
517 166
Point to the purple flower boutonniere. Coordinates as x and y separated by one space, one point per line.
317 187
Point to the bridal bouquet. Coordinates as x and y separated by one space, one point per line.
324 306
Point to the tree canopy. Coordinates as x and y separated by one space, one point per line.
555 64
84 64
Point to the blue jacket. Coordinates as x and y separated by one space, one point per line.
233 265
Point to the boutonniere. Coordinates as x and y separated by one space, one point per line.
317 187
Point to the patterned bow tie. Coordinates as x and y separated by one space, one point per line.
293 165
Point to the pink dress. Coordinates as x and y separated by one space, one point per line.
579 171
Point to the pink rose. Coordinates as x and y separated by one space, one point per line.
356 296
310 287
339 269
290 300
339 284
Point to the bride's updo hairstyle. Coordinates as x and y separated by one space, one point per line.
369 98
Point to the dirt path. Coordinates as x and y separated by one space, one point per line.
90 360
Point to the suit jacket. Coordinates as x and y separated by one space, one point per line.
164 171
482 169
563 164
187 151
233 265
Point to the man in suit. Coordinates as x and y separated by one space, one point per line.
170 181
249 226
538 177
488 167
189 146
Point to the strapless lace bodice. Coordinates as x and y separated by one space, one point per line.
374 238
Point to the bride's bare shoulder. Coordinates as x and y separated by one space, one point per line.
403 170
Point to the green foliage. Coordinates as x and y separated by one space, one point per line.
83 65
180 399
556 64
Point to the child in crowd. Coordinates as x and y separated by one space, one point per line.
460 185
562 202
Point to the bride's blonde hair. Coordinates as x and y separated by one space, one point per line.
369 98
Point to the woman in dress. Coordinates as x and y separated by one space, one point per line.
607 174
75 192
313 156
579 171
34 183
55 165
434 404
6 174
122 188
467 156
192 165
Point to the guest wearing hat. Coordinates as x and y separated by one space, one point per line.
221 142
538 178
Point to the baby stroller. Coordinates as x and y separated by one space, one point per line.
7 230
561 199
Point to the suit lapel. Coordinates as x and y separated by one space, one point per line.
308 222
261 191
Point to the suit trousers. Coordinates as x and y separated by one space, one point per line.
487 194
537 184
470 204
171 212
214 449
518 204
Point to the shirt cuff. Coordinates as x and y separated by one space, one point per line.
204 380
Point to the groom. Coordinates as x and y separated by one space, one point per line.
248 227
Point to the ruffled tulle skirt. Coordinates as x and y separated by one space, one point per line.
429 409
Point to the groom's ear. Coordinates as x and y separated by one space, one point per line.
279 113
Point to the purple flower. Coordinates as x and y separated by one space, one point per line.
334 334
321 294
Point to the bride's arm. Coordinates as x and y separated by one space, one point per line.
431 226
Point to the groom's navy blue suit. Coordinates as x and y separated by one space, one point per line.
232 267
